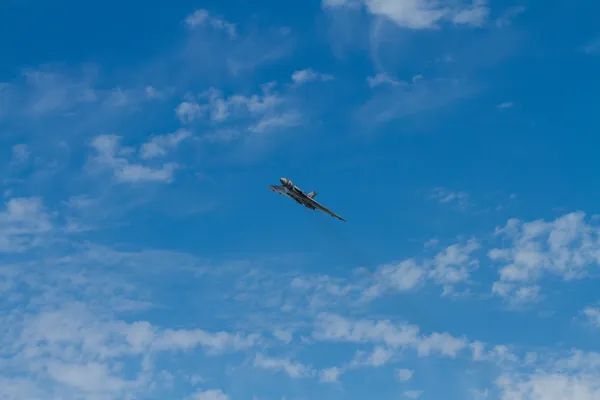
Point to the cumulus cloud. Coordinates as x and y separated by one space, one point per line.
109 154
67 338
330 375
404 374
448 268
549 386
565 247
303 76
82 321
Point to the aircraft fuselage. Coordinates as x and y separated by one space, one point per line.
295 192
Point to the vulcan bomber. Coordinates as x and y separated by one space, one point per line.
287 188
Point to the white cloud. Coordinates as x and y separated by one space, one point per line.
413 394
399 99
445 196
158 146
404 374
257 113
421 14
214 343
285 336
202 17
376 358
152 92
442 343
211 394
338 3
448 268
330 375
220 108
474 15
76 94
479 394
401 277
268 124
187 111
565 247
291 368
118 97
593 316
20 153
110 155
550 386
301 77
330 327
592 47
506 104
507 17
23 224
48 91
454 264
498 354
79 348
73 324
91 378
382 79
517 295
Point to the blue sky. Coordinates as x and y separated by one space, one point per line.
143 256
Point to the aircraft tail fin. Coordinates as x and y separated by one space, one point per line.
312 194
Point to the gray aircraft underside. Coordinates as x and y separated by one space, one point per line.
288 189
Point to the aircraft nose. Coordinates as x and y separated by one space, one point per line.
283 181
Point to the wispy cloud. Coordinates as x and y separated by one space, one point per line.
381 79
593 47
592 314
505 104
445 196
23 224
20 153
399 99
82 320
202 17
508 16
291 368
159 145
258 113
420 14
